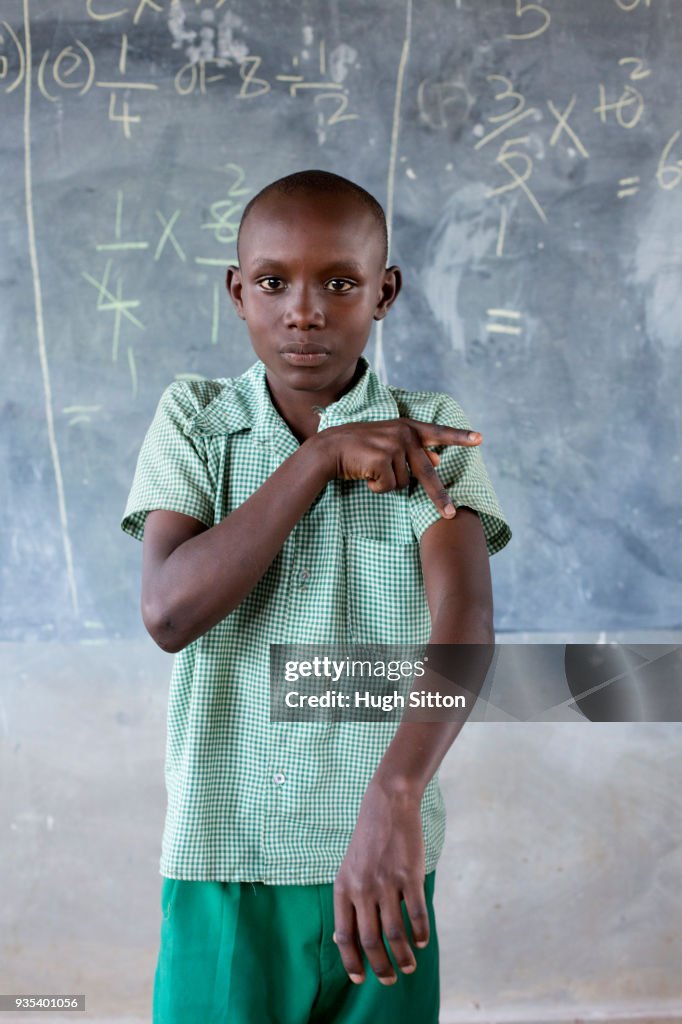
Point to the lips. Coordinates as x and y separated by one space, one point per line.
308 355
301 354
305 350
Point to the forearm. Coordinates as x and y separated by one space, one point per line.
418 747
387 852
209 575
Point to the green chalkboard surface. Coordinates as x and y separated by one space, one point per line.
529 158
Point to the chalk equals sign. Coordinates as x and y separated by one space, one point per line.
628 187
503 328
80 413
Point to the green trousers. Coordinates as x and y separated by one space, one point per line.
249 953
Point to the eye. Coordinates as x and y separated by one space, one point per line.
270 284
346 286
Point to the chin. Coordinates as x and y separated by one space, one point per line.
307 381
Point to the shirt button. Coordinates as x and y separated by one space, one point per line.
278 778
304 576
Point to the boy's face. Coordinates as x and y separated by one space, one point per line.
310 282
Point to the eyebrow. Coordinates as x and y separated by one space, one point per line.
338 266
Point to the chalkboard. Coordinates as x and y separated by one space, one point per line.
529 158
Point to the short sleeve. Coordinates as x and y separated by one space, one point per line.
466 479
171 471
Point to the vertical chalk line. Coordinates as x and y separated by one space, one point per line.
379 363
501 232
215 319
40 324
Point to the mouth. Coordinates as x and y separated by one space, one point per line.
310 355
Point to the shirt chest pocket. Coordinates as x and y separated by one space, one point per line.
386 598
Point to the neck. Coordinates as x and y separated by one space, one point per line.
300 410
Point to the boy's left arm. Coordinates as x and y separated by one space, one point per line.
385 862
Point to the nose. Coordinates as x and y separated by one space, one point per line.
303 309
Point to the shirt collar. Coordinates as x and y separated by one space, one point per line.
244 403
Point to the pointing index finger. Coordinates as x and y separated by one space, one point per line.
440 433
423 469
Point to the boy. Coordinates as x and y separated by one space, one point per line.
300 502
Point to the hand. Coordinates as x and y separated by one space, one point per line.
384 862
386 453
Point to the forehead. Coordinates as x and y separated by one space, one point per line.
282 224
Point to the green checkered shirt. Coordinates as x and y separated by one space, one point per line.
251 800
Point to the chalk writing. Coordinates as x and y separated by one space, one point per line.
669 175
499 247
630 5
225 214
627 109
221 226
516 162
124 117
167 235
97 10
98 15
251 85
192 75
630 97
80 413
119 243
199 72
524 9
507 157
72 68
215 312
501 327
5 62
26 77
108 302
563 126
628 187
442 103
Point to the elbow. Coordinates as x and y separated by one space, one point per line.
168 641
162 628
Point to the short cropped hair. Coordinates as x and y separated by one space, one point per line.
314 182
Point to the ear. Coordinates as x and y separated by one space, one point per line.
390 287
233 283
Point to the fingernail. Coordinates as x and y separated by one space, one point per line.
357 979
408 968
388 981
449 509
474 435
421 944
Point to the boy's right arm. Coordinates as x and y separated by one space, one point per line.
193 576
